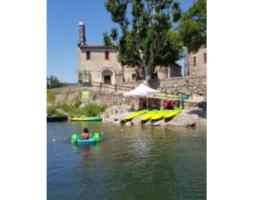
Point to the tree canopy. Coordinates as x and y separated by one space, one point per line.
53 82
192 29
146 36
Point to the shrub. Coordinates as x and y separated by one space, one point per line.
50 97
52 111
89 110
93 109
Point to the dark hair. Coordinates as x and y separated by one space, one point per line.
85 130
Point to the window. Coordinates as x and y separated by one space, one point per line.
133 76
106 55
88 55
204 58
194 61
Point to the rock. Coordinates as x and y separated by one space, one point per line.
129 123
137 121
184 119
201 122
158 123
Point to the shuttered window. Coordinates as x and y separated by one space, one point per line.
194 61
88 55
106 55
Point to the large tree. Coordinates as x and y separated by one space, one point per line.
145 37
193 26
53 82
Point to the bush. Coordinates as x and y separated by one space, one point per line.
52 111
50 97
53 82
93 109
88 111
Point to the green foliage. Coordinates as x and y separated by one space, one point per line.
77 101
52 111
53 82
50 97
147 36
193 26
89 110
93 110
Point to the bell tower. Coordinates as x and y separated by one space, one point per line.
82 40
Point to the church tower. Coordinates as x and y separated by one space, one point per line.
82 40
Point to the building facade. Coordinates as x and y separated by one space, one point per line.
197 62
98 64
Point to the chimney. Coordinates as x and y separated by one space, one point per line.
82 40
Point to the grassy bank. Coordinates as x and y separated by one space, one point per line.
76 107
88 110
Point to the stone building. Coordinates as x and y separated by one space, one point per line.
197 62
98 64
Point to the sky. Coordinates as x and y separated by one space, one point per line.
63 34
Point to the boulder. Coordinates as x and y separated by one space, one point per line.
129 123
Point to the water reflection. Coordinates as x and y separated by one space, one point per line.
86 151
75 149
97 149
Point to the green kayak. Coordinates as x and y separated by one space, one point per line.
97 118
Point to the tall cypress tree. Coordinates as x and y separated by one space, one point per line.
146 36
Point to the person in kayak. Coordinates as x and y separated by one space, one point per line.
85 134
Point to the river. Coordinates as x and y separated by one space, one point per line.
138 163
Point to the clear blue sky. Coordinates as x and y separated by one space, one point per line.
62 32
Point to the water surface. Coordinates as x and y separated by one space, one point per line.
139 163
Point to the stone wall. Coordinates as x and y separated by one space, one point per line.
105 96
189 85
183 86
113 94
113 99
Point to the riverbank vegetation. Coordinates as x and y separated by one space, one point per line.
76 107
50 97
88 110
53 82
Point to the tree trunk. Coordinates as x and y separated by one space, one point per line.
123 74
147 73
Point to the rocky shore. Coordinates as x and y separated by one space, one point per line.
191 117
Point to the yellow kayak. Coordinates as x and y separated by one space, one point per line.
135 114
148 115
172 113
159 115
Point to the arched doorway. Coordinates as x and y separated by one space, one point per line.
107 76
134 77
